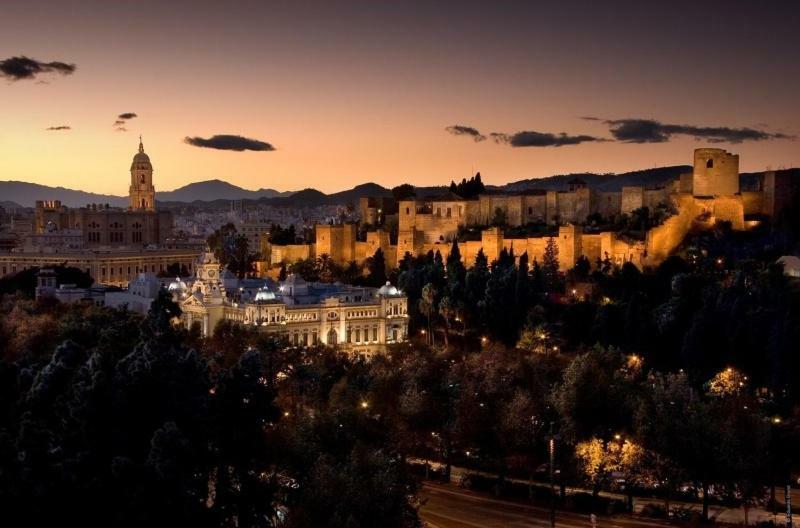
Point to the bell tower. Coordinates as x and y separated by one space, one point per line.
142 193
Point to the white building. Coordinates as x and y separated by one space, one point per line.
360 319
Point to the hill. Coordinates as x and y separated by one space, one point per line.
215 190
605 182
26 194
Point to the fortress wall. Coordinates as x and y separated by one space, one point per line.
472 212
655 197
591 247
632 199
361 252
608 204
375 240
436 228
291 253
514 213
348 242
730 209
567 202
663 239
753 202
685 183
534 208
551 207
583 205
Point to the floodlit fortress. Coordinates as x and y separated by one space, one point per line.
709 194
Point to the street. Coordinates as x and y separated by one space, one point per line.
450 507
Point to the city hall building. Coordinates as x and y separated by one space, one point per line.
358 319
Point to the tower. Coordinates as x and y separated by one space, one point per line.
142 193
716 173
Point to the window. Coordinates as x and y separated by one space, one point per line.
710 164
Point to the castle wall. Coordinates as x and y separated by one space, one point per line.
753 202
632 199
608 204
652 198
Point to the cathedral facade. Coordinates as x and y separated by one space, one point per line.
102 226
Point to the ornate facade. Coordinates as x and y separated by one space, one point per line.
359 319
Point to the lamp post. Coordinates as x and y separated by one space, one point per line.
552 449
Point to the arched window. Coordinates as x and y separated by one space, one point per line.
141 178
710 164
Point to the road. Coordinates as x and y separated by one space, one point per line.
451 507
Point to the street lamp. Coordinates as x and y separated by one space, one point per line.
552 449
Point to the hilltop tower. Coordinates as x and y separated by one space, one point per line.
716 173
142 193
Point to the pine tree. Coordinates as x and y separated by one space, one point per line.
550 274
475 284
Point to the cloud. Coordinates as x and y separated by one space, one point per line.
60 127
652 131
19 68
229 142
529 138
525 138
463 130
122 119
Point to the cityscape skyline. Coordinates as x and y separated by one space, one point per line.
362 92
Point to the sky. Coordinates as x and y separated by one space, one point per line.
331 94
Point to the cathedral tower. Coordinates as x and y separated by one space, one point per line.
142 193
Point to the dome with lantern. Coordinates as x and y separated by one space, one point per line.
388 290
264 295
177 286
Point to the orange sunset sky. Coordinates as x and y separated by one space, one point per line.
350 92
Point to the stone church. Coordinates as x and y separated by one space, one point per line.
99 225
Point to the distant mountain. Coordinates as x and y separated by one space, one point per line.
26 194
210 190
218 194
7 205
605 182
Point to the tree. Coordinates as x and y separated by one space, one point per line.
550 274
427 306
500 218
376 268
475 286
403 191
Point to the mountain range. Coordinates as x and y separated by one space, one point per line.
218 193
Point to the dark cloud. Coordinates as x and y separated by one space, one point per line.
18 68
652 131
528 138
122 119
60 127
463 130
229 142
